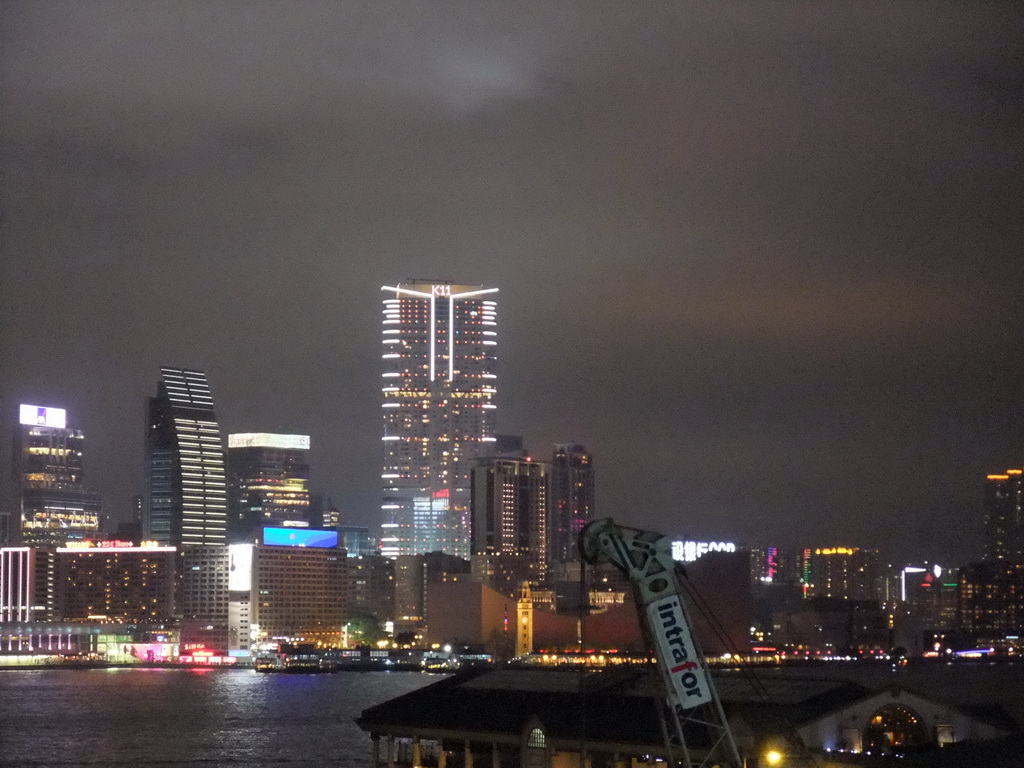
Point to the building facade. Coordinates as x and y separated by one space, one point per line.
438 389
268 484
510 514
115 581
371 590
288 592
572 499
990 607
355 539
26 584
186 487
54 505
1004 517
205 573
844 573
413 574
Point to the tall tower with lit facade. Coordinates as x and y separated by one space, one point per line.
55 506
438 390
186 490
572 499
268 484
1004 517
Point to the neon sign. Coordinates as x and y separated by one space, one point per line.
688 551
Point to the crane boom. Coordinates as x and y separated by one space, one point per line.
645 557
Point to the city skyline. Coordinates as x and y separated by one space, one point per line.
763 262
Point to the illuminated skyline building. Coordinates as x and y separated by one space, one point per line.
510 522
186 489
438 389
1004 517
26 584
292 587
268 484
572 499
846 573
53 504
115 581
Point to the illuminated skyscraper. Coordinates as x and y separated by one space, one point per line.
572 499
1004 517
268 484
186 492
55 506
438 387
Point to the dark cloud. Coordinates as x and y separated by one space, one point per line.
763 259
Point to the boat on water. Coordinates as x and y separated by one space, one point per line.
302 657
290 658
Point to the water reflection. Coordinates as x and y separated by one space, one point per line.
189 717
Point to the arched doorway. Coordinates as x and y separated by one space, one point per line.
895 728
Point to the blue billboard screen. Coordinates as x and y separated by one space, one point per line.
299 537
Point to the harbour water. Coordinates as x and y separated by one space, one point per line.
180 718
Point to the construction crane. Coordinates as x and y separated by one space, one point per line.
692 702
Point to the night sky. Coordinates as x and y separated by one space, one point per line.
763 259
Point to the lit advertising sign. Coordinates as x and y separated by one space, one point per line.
299 537
239 567
149 546
39 416
688 551
675 646
268 440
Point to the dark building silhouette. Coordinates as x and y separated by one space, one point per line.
186 489
372 586
356 540
571 499
1004 517
413 574
323 512
510 508
268 484
991 601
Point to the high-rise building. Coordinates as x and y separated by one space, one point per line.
268 484
293 587
186 490
55 506
122 583
323 512
990 608
1004 517
572 499
412 575
372 586
510 515
205 574
438 390
845 573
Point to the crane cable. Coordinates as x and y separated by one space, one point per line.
758 686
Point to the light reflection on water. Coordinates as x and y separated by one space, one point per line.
179 717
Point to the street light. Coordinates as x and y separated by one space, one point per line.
774 757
